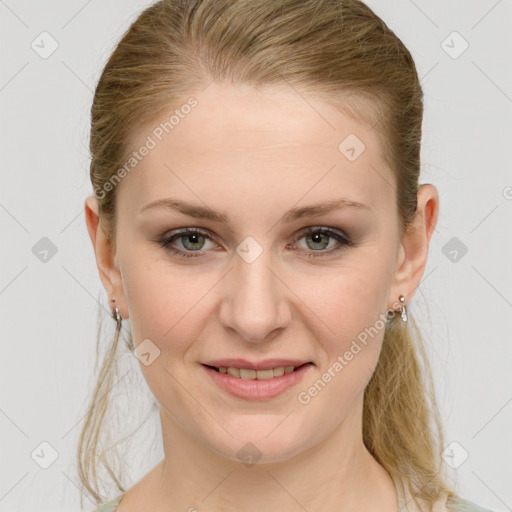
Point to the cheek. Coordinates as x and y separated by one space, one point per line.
352 299
162 302
352 307
165 307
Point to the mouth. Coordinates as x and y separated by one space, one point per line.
264 381
251 374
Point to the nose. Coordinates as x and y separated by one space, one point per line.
255 302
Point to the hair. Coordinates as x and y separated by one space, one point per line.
338 50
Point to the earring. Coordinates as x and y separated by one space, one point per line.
403 309
118 318
115 314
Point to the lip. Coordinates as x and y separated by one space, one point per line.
257 389
256 365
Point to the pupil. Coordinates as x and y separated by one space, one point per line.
316 238
190 241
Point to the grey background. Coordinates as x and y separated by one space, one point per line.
48 301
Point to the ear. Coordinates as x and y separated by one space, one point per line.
413 250
105 257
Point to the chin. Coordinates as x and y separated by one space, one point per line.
262 443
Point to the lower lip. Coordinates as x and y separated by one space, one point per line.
257 389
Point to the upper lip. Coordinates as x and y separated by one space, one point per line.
255 365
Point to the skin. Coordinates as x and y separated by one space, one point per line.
255 154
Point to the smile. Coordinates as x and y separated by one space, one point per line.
249 374
262 384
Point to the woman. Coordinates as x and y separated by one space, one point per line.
257 216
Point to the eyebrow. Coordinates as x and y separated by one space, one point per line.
200 212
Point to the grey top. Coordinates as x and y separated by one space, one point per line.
454 505
109 506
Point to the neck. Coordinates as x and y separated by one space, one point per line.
339 474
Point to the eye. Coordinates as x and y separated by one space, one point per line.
194 242
191 239
319 238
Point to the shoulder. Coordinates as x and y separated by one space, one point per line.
458 504
109 506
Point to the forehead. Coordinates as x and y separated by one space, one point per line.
242 117
258 140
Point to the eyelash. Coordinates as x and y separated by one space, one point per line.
344 241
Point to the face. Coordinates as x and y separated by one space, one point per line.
271 281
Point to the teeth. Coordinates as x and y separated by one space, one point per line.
234 372
247 374
265 374
279 371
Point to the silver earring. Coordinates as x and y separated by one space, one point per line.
118 318
115 315
403 309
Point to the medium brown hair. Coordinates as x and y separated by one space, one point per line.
339 50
